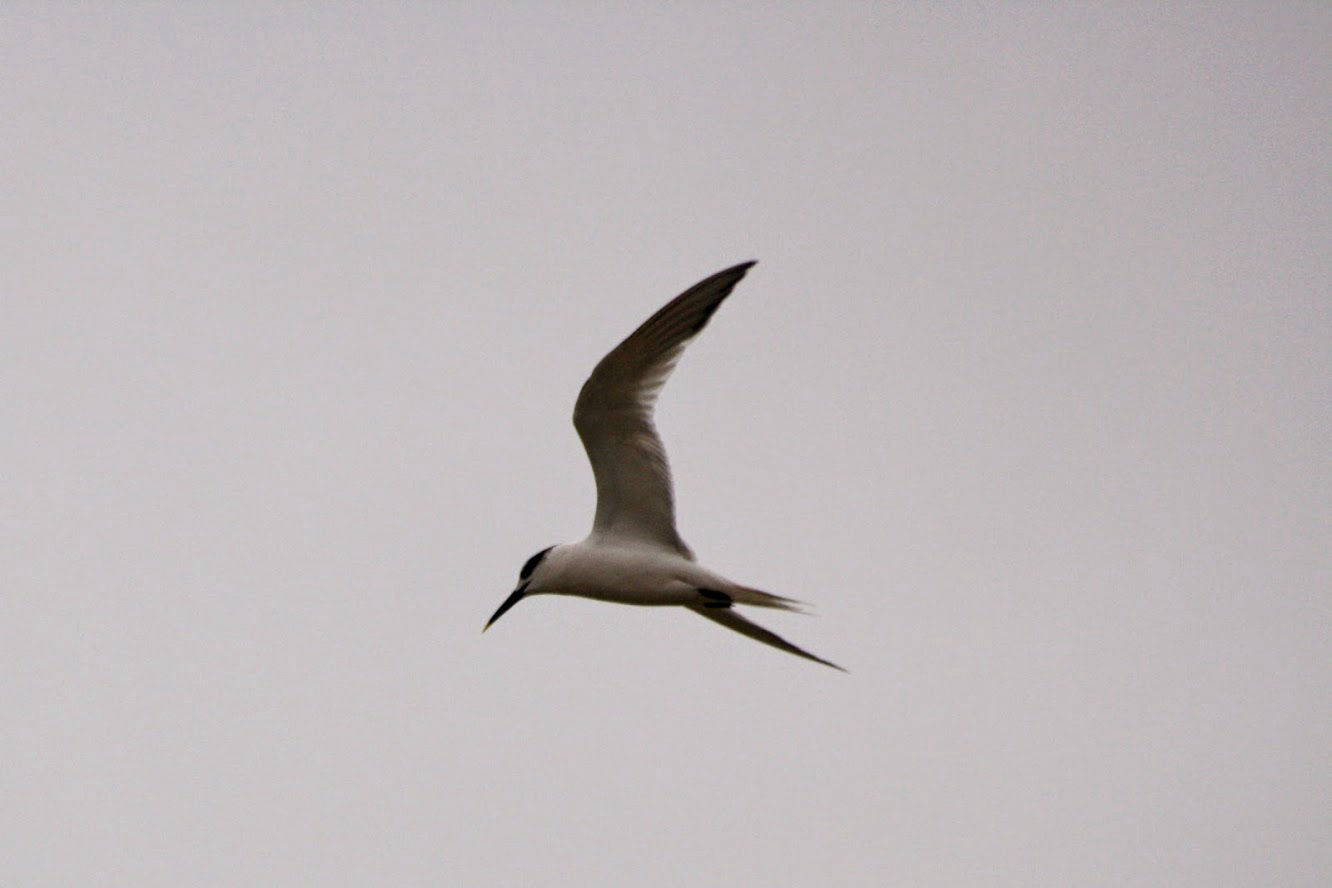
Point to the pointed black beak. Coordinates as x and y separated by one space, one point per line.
509 602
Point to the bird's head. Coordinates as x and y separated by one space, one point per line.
527 576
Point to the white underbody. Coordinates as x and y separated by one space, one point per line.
627 573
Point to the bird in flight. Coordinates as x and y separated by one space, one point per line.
634 554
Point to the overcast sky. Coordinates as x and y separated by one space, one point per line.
1029 395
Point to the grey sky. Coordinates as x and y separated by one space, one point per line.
1029 394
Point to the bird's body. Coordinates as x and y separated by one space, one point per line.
634 554
624 573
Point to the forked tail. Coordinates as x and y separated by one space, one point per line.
759 598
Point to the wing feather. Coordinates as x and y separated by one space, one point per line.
613 416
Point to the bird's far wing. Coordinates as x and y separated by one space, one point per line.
731 619
613 416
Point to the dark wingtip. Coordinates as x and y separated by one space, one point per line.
739 269
736 273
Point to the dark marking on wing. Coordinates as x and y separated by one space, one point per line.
715 598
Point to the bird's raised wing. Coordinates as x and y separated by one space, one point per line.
613 416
